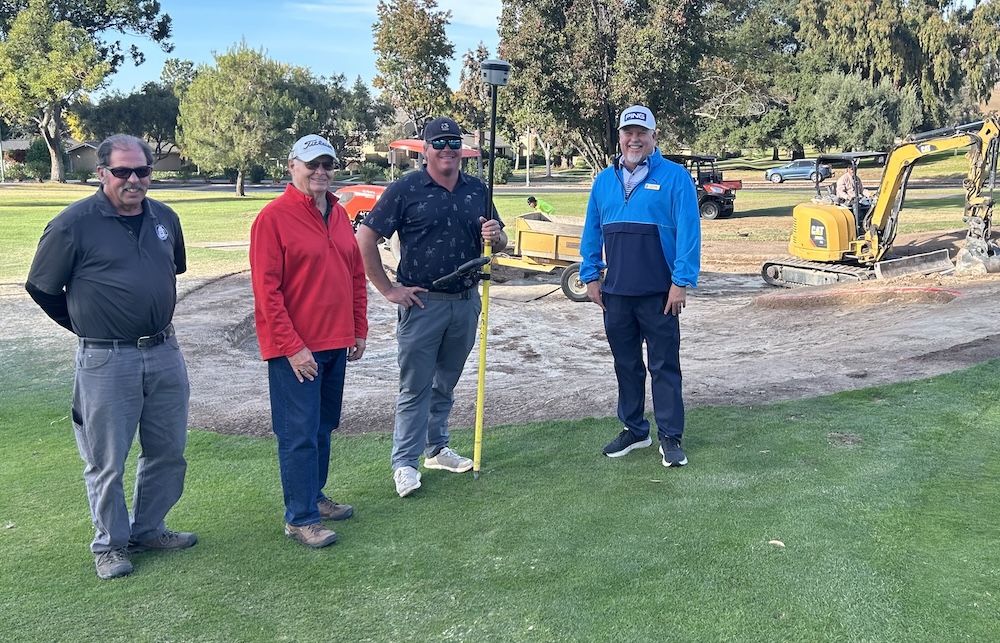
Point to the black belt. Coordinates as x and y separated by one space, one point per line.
431 294
148 341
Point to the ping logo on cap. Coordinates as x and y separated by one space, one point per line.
634 116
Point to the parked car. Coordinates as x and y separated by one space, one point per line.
359 200
805 169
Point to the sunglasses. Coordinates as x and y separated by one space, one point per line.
312 165
441 143
125 172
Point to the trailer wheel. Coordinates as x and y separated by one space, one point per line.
572 287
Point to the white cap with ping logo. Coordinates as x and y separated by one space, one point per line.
637 115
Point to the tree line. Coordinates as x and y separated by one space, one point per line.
721 76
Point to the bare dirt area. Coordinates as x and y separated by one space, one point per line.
743 342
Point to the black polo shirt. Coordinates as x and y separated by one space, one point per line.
117 285
439 230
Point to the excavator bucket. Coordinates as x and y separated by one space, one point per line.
925 264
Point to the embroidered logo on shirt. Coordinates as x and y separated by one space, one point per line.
161 232
652 186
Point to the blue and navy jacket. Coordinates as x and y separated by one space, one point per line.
650 239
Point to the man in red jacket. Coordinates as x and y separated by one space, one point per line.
310 308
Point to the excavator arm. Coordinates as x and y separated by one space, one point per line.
881 222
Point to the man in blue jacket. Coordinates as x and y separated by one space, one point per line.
643 218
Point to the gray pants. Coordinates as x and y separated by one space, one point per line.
116 390
433 344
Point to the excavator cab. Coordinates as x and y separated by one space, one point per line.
827 229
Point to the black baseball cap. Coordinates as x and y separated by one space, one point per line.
442 128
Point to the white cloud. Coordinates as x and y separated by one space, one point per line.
366 7
473 13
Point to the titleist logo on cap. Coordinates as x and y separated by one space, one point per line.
316 141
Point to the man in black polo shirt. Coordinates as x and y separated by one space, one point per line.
106 269
438 214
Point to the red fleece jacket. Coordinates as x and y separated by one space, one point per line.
308 279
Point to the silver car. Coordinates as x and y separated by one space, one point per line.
801 169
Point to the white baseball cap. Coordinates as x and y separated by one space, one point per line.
637 115
311 147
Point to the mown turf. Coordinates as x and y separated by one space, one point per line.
884 499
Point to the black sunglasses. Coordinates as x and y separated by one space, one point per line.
312 165
125 172
441 143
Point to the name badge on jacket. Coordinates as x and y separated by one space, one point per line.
652 186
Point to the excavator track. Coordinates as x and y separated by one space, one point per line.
790 273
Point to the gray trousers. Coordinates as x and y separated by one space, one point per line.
116 390
433 344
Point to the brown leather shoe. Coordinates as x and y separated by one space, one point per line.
314 535
329 510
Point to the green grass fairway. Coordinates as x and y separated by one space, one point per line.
885 500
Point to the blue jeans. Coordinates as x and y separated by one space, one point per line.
117 390
433 344
302 416
630 321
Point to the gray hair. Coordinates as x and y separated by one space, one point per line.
122 142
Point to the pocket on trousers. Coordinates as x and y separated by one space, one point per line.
91 358
403 313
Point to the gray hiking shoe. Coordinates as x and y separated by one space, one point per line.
448 460
314 535
167 541
113 564
407 480
329 510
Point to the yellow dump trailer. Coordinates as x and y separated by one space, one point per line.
543 245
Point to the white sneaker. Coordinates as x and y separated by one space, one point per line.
407 480
449 461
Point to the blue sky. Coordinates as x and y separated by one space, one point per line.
328 36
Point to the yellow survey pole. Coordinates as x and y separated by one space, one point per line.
495 74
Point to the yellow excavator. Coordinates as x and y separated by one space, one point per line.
835 241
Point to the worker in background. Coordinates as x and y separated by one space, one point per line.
848 187
537 205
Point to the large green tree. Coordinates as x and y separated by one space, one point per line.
248 109
582 62
412 58
936 47
52 50
43 64
150 113
239 113
747 80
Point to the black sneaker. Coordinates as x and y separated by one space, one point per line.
625 442
673 456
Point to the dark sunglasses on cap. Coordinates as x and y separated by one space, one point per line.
441 143
125 172
312 165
